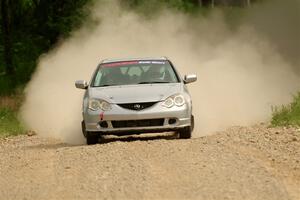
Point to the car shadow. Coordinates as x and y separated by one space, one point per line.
142 137
105 140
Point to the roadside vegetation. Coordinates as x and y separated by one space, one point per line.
29 28
287 114
9 122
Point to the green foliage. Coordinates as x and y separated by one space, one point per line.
5 85
9 123
151 7
287 115
36 26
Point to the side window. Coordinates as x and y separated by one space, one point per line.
98 78
169 74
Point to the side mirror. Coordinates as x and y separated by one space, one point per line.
190 78
81 84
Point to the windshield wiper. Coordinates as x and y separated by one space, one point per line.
151 82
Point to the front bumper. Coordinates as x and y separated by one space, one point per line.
179 116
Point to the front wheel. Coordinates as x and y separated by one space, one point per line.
83 128
185 133
91 138
192 122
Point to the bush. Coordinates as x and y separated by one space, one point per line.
287 115
9 108
9 123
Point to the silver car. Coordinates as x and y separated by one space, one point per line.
134 96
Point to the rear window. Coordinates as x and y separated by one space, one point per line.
134 72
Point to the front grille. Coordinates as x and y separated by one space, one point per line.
137 123
137 106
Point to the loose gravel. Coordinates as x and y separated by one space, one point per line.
240 163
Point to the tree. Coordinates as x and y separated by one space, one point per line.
7 39
248 2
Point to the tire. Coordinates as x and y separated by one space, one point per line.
185 133
192 123
83 128
91 138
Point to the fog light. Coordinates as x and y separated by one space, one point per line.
103 124
172 121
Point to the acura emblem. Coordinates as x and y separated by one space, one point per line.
137 106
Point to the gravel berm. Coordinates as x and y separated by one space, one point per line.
240 163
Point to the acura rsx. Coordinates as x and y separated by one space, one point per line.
134 96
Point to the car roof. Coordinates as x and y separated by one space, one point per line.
132 59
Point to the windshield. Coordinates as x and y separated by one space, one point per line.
134 72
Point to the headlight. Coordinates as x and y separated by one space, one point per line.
177 100
169 102
96 104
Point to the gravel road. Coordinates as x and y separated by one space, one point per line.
240 163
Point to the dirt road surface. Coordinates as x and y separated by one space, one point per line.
239 163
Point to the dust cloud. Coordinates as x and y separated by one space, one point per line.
241 71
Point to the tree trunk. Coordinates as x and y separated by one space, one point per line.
200 3
7 39
248 3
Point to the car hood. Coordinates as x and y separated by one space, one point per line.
135 93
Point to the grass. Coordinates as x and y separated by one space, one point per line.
9 122
287 115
